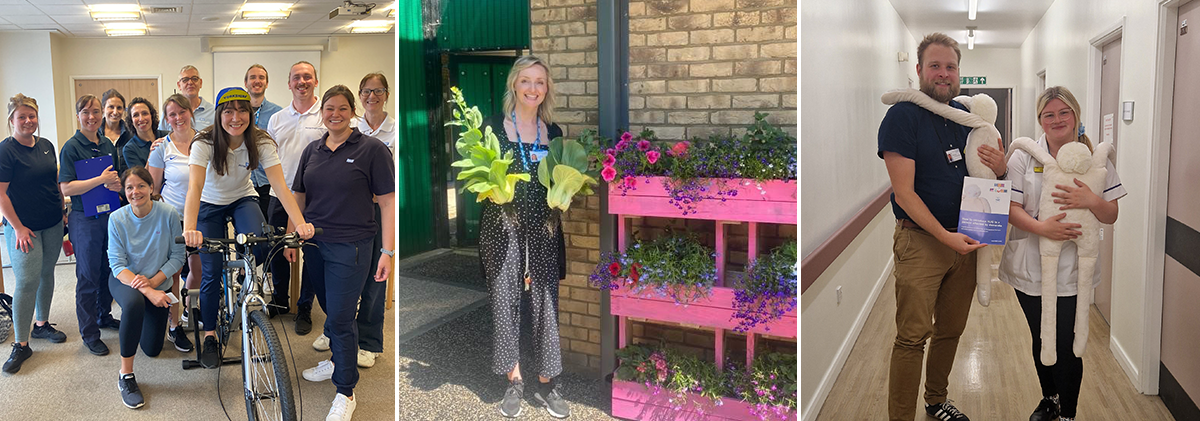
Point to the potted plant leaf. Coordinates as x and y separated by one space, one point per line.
484 169
567 171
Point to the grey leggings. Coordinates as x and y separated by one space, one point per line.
35 276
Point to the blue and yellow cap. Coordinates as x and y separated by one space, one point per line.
232 93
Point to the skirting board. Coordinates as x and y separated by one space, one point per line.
810 411
1125 362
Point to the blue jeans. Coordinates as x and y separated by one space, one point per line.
93 301
35 276
339 272
247 219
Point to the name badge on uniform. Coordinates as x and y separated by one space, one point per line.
1037 170
953 155
536 156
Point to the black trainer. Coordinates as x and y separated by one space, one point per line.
548 396
48 332
18 357
1047 410
945 411
110 324
510 406
179 339
209 356
130 394
303 320
96 347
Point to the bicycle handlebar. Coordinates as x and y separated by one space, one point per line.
250 240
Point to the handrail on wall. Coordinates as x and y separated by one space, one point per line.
813 265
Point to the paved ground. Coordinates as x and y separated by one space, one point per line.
445 350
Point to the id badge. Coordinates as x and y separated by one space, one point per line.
536 155
953 155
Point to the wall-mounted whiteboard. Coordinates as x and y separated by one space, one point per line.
229 69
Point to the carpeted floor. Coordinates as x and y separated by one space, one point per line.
65 382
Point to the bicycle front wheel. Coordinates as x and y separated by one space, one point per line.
268 384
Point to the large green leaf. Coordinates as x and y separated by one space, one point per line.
574 155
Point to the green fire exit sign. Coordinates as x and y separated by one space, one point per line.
973 80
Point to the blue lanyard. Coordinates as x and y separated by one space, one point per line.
536 142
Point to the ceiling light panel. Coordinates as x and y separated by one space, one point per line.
266 11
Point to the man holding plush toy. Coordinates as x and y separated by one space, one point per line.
935 269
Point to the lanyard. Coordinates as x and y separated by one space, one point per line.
525 162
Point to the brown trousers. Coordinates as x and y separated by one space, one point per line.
934 289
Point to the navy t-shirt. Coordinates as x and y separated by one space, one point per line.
922 136
338 185
30 174
137 151
79 148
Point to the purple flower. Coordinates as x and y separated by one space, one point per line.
651 156
643 145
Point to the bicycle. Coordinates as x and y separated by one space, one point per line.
266 380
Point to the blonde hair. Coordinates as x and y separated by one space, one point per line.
1063 94
15 103
546 109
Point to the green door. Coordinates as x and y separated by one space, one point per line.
482 80
413 198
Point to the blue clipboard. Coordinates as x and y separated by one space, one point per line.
99 199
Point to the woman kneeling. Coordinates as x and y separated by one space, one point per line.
142 252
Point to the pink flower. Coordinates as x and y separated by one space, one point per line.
622 145
610 151
626 137
609 160
608 173
680 148
629 181
643 145
652 156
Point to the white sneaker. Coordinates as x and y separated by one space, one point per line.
342 408
322 372
366 359
322 343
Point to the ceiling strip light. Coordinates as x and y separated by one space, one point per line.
111 16
249 28
121 29
266 14
972 9
971 38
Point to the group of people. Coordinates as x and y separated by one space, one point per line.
934 264
314 163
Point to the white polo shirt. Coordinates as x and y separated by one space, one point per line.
386 132
1021 265
235 184
293 131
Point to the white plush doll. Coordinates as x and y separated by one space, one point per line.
981 119
1074 161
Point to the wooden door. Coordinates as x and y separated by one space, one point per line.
1110 104
129 88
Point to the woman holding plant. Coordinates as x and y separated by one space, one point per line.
521 242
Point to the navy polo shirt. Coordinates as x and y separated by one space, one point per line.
30 173
338 185
119 158
79 148
922 136
137 151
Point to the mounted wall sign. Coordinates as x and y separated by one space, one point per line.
973 80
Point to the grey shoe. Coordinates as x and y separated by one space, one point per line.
548 396
131 395
510 406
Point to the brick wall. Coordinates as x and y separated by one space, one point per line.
704 67
697 67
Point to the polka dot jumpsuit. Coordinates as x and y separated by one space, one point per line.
506 234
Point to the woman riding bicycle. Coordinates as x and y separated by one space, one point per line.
219 186
335 182
142 253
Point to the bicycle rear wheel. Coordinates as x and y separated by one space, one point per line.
269 385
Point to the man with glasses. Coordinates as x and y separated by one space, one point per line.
203 112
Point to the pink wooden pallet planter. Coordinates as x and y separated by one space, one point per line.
714 311
774 203
636 402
